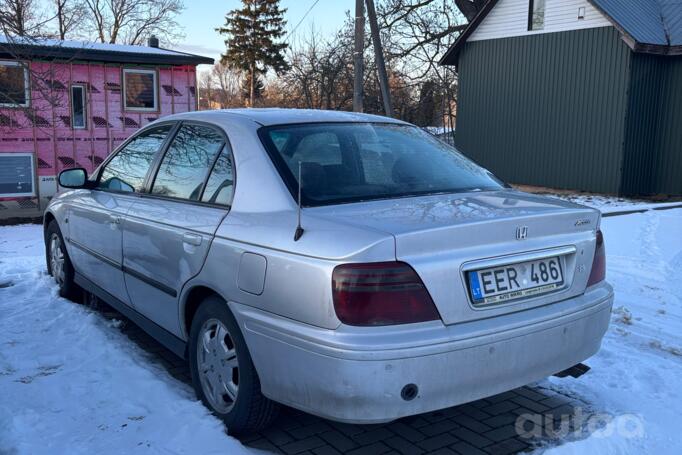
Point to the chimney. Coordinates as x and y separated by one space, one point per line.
153 41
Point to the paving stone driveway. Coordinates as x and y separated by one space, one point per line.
483 427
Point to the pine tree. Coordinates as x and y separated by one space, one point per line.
252 34
258 88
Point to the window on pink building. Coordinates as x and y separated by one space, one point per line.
13 84
78 111
140 90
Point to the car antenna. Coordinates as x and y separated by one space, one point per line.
299 229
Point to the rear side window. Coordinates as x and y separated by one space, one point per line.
187 162
220 184
128 168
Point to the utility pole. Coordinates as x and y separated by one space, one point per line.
358 56
379 57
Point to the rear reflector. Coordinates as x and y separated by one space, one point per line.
598 272
381 293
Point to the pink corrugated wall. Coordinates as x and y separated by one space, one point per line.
57 146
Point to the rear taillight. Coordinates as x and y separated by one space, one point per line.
381 293
598 272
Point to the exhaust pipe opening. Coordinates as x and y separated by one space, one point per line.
575 371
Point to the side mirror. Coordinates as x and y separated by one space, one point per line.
73 178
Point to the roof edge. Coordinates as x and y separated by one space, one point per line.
24 50
451 57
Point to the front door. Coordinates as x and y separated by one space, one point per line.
96 217
167 234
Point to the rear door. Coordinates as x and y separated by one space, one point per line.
168 232
96 216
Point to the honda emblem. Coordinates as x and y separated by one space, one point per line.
521 232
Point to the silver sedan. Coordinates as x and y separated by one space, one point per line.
348 265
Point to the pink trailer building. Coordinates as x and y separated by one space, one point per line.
66 104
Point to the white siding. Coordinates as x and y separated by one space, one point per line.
510 18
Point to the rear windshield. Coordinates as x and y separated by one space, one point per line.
348 162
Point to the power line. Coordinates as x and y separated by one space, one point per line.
301 21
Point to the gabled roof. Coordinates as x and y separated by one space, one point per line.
101 52
650 26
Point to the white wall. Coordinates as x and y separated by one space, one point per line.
510 18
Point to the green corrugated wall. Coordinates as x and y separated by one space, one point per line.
653 139
641 137
548 109
667 175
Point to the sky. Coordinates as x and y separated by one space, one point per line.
201 17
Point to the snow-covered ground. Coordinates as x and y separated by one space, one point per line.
607 205
70 382
598 201
612 205
636 378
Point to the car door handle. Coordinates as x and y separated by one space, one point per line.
192 239
114 219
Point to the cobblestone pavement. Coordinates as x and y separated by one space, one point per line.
485 426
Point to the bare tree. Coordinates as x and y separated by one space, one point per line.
206 93
22 24
229 82
418 32
69 15
22 18
132 21
415 32
320 74
221 87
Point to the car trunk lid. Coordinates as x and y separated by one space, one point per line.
444 236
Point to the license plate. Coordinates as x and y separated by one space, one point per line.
515 281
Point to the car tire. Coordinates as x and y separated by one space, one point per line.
223 374
58 262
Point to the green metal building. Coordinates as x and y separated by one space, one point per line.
574 94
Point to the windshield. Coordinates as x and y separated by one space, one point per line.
346 162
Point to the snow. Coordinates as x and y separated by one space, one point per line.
598 201
71 383
637 373
88 45
610 204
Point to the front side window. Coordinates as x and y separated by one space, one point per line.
364 161
78 112
127 170
187 162
140 90
13 84
536 15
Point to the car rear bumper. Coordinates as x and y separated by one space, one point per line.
356 374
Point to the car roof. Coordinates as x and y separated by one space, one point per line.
278 116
